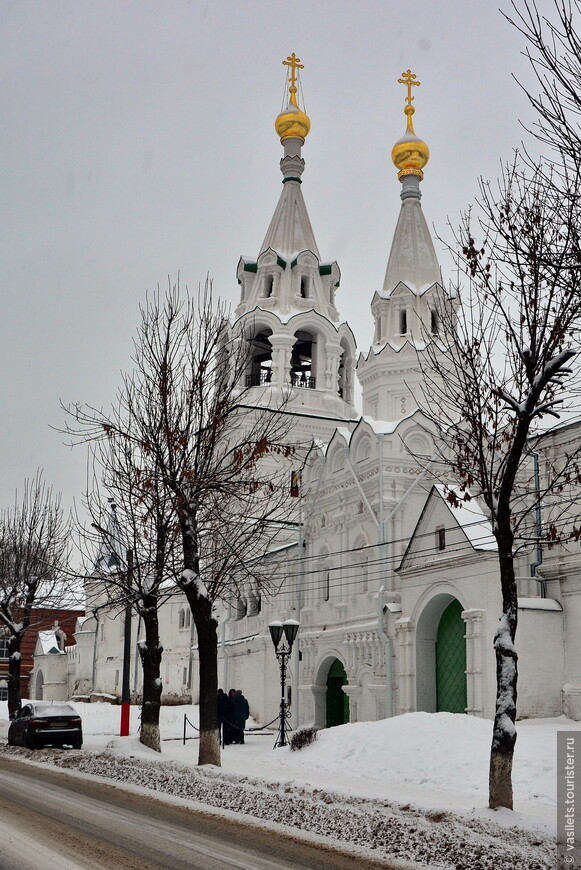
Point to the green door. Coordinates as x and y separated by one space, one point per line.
337 700
451 661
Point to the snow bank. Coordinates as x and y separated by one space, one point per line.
429 765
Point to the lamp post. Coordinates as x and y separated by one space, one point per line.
283 651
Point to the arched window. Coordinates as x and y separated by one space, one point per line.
403 321
268 286
434 322
360 565
304 291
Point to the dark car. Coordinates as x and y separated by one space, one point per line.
46 723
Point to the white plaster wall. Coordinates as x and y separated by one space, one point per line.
539 644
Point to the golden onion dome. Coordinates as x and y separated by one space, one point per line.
292 122
410 153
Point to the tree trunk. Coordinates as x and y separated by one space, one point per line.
150 653
504 731
14 663
207 631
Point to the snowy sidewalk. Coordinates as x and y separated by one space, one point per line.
414 785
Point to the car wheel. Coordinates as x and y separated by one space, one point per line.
29 740
77 743
10 740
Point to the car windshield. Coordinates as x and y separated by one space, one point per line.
54 710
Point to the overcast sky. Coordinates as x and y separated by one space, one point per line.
137 140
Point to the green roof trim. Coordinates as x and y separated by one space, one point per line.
250 267
291 178
280 262
325 268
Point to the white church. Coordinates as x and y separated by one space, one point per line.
397 594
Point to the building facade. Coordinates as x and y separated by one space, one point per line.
397 594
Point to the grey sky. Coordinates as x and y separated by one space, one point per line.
137 140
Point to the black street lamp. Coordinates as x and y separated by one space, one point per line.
283 651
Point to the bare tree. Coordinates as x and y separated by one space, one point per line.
182 414
34 551
509 361
553 47
139 531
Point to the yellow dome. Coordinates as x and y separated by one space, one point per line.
410 153
293 123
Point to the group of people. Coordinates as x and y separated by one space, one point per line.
233 711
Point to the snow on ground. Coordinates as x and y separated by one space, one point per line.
432 768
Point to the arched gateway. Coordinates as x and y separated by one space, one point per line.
441 656
337 700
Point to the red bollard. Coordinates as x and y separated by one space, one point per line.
124 731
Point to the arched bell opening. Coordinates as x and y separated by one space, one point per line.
303 368
260 359
345 372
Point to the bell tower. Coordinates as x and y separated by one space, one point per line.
287 311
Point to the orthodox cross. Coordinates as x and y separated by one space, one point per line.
295 63
409 79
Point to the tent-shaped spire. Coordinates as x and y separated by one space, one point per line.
290 230
412 259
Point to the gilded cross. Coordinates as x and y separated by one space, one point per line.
295 63
409 79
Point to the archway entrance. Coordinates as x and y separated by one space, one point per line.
337 700
451 661
441 656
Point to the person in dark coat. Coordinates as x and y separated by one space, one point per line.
222 716
240 713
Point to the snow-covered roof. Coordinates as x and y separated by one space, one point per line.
49 643
386 427
471 519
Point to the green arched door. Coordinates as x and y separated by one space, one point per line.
337 700
451 661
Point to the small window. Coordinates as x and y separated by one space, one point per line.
304 287
3 647
3 693
268 285
441 538
185 677
188 618
434 322
403 321
102 631
116 678
182 618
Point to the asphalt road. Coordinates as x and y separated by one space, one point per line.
52 821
